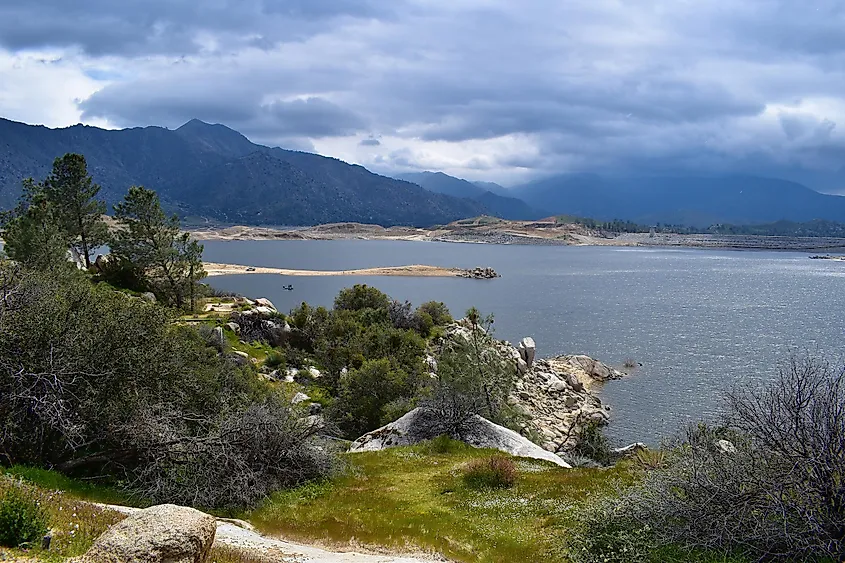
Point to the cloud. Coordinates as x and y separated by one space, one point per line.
483 89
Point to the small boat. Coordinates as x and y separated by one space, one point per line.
287 287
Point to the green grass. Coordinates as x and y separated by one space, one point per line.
415 499
81 490
74 524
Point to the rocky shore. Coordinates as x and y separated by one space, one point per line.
415 270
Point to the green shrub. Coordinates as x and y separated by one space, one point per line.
444 445
592 443
22 520
607 539
496 472
275 359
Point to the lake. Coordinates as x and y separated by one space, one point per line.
698 320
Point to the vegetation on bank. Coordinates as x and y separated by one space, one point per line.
817 228
103 387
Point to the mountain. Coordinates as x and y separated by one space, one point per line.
495 188
502 206
215 172
696 201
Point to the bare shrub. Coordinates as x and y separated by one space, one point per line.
767 482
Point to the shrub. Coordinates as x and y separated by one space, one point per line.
275 360
22 521
766 483
437 311
496 472
592 443
361 296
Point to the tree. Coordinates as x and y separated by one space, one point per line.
31 232
169 262
472 377
79 215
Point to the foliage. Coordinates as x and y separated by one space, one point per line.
31 231
766 483
275 360
22 521
438 312
101 384
471 378
593 444
169 262
80 216
494 472
361 296
74 524
365 393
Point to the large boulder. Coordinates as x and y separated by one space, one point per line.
421 424
528 350
263 302
161 534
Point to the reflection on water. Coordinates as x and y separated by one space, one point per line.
698 320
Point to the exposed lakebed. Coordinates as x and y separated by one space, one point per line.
698 320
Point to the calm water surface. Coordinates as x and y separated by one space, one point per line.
698 320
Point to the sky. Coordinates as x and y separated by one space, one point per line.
492 90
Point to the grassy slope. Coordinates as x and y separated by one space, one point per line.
414 499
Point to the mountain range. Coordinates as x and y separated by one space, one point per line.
214 172
498 200
685 200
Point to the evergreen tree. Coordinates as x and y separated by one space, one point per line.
169 262
31 231
79 215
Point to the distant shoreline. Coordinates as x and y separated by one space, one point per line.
520 232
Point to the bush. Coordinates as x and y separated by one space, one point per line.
275 360
22 521
496 472
361 296
437 311
766 483
603 538
593 444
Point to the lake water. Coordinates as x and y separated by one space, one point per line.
698 320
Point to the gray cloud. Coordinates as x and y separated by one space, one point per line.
534 88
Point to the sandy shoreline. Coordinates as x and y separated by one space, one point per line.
415 270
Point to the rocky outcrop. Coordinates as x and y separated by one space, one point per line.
420 425
527 350
262 323
479 274
161 534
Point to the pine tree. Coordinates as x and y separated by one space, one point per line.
31 232
80 216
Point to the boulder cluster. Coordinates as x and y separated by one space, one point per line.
479 274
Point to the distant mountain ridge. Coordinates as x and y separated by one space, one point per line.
498 200
215 172
694 201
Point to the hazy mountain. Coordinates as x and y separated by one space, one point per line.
213 171
698 201
495 188
503 206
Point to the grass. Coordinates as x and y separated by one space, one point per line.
414 499
74 524
81 490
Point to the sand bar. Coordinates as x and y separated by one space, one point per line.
416 270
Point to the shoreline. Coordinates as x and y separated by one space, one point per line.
416 270
515 233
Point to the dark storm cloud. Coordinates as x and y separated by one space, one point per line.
143 27
589 84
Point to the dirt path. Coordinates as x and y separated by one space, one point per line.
240 535
416 270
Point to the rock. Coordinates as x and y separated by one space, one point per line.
234 327
528 349
101 263
240 358
217 336
263 302
315 373
160 534
521 366
431 362
315 408
149 296
420 424
299 398
725 446
273 375
266 311
570 401
594 368
630 449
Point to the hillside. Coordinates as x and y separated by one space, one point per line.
215 172
497 199
696 201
